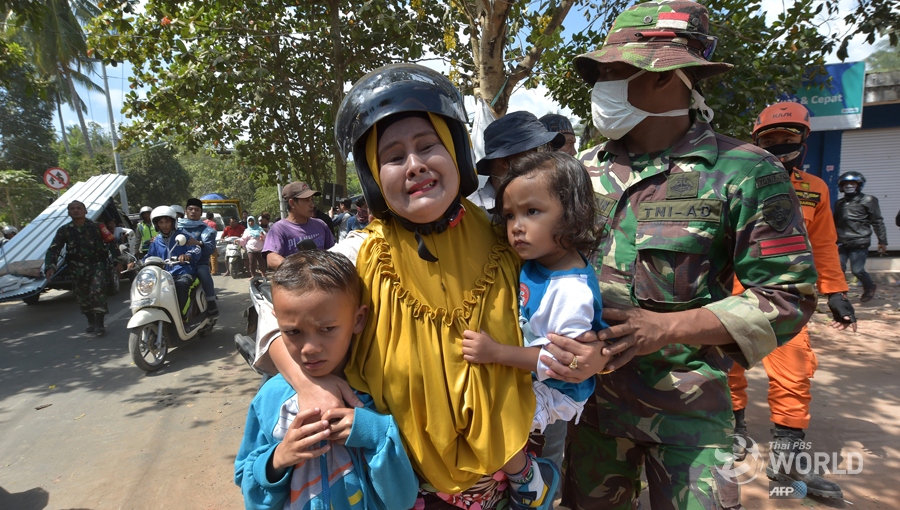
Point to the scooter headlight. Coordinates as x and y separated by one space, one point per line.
146 280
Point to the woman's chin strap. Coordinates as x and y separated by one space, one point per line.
451 218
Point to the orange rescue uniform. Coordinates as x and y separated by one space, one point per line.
791 366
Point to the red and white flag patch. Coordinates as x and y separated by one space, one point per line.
673 20
783 246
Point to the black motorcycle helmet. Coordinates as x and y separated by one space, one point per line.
856 177
401 88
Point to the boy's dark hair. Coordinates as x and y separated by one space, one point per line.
318 270
568 180
361 202
347 203
210 216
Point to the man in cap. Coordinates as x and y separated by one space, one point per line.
556 123
682 210
300 225
202 235
506 139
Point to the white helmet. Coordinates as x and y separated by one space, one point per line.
146 208
161 211
178 209
9 229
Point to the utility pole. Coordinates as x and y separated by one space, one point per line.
114 138
280 200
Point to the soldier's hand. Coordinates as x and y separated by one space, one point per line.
49 273
638 332
841 311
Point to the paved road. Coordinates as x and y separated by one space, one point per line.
112 436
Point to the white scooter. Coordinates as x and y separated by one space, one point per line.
234 255
157 323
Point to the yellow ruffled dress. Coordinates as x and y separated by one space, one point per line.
459 421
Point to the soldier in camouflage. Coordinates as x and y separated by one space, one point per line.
683 210
89 246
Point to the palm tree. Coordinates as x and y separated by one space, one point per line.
59 51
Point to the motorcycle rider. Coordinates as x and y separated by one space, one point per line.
87 253
781 129
178 210
9 232
165 247
205 237
145 229
855 216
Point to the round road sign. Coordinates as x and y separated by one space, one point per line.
56 178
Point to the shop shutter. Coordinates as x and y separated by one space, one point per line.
875 153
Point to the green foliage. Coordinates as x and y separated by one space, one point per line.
155 177
884 59
22 197
215 173
263 77
26 125
265 200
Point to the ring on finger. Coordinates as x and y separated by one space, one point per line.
574 364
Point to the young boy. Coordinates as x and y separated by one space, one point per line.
288 452
165 247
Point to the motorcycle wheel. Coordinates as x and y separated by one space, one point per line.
142 344
233 268
114 283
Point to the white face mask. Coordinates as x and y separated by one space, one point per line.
614 116
849 189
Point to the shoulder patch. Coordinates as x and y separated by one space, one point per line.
778 211
605 204
804 186
809 198
768 180
785 245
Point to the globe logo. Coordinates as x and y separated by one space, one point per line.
799 490
746 471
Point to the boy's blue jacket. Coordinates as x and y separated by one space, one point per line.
203 233
371 472
159 248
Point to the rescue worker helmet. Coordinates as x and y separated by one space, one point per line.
852 176
786 117
396 89
146 208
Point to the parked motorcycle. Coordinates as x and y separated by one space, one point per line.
157 323
234 255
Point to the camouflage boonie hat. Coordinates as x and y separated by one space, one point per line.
657 36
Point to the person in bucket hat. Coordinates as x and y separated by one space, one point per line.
683 210
506 139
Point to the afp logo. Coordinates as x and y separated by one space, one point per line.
793 490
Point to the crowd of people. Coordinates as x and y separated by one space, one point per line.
454 344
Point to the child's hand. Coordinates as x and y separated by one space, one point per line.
479 347
341 421
306 430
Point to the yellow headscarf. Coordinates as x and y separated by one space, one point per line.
459 421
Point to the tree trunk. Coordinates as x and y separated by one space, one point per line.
340 166
489 28
12 209
62 125
75 104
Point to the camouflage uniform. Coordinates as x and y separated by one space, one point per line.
678 226
87 256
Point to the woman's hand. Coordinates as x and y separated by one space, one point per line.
341 422
305 431
326 392
479 348
586 347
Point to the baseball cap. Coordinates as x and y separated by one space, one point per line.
298 189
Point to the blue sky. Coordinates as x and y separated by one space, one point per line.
536 100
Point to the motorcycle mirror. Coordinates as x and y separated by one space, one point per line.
181 239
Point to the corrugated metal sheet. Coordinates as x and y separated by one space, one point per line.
30 245
873 153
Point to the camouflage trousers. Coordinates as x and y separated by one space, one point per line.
89 284
604 472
